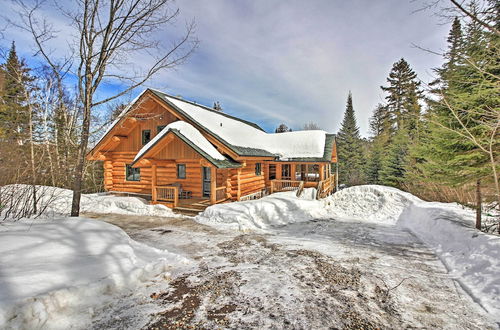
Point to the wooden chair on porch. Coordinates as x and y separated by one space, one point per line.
183 194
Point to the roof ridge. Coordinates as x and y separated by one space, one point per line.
209 109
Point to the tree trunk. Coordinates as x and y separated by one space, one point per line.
82 150
478 205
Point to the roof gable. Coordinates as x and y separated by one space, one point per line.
192 137
237 137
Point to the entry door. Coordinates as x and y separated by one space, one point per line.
206 181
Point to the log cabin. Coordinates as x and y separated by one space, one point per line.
188 156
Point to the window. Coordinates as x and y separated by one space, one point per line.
160 128
285 172
313 172
272 171
300 172
181 171
146 136
258 169
132 174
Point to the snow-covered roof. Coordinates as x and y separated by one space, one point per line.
192 137
240 134
242 137
190 133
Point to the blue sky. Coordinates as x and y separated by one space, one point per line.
293 61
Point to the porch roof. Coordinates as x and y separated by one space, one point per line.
192 137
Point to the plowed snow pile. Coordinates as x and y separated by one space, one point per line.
54 272
471 256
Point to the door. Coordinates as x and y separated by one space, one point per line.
206 181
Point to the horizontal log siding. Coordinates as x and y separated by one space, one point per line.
118 161
249 182
168 175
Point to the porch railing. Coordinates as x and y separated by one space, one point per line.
166 194
253 196
286 185
220 194
325 187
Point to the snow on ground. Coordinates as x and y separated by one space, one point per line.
273 210
54 272
57 201
472 257
305 275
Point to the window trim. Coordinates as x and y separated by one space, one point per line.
258 169
160 128
132 171
178 172
143 136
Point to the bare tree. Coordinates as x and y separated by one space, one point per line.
310 126
110 34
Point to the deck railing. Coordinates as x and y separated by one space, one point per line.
166 194
220 194
286 185
256 195
325 187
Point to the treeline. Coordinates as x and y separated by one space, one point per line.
441 137
40 124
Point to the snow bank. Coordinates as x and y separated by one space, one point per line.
370 203
53 272
57 201
274 210
472 257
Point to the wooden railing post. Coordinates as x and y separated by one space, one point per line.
238 180
213 185
154 195
272 186
176 196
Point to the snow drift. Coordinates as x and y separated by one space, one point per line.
274 210
53 272
471 256
57 201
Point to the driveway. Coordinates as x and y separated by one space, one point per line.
317 274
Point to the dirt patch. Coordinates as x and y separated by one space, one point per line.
186 302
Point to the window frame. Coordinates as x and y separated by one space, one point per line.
134 172
179 166
143 136
160 128
288 171
258 169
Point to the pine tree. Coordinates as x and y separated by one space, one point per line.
349 148
14 113
374 164
394 165
282 128
462 144
402 108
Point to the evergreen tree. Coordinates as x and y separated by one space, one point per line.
394 165
462 142
14 113
374 164
349 148
402 108
282 128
